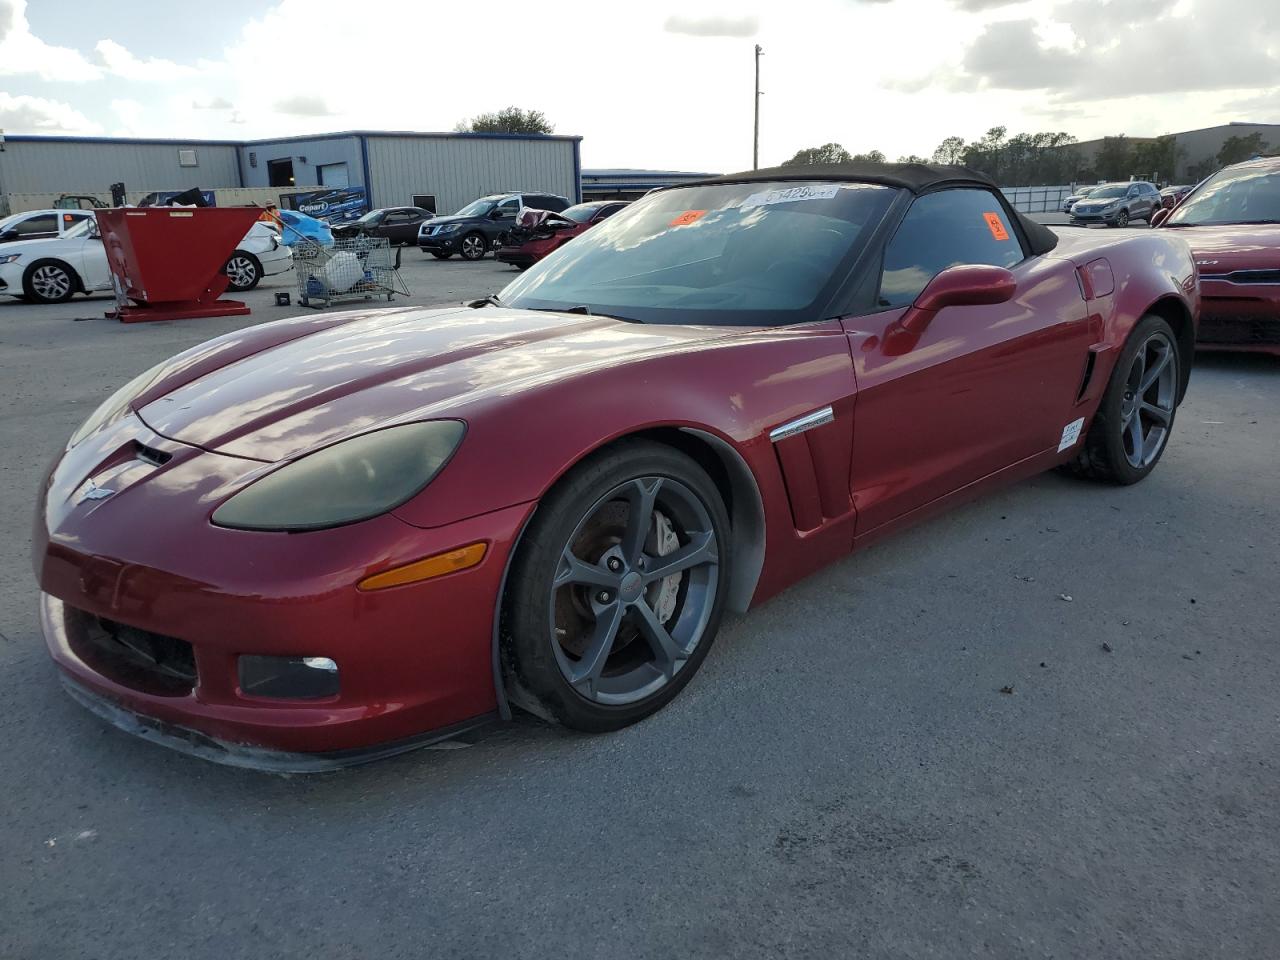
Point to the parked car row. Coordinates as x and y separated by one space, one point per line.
54 268
482 225
1114 204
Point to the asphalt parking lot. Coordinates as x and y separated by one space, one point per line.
845 777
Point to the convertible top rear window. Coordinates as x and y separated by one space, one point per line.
753 253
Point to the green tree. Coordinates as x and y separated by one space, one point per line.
871 156
508 120
911 158
827 153
985 154
950 151
1115 158
1156 158
1239 149
1202 168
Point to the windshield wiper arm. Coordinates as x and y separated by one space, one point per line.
489 301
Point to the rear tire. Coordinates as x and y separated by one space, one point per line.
1115 450
593 636
244 270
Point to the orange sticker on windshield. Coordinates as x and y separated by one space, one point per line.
688 217
996 226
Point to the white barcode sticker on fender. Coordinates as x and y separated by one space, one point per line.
1070 434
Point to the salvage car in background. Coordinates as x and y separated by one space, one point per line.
40 224
1075 198
398 224
1170 197
547 231
1232 223
1117 204
482 225
723 388
56 269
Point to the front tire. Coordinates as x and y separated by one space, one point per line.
49 281
1135 417
1122 219
473 246
617 589
441 256
244 271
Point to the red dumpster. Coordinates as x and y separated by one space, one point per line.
167 262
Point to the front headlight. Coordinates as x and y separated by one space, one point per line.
449 228
11 258
115 405
352 480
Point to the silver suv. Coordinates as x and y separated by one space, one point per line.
1115 204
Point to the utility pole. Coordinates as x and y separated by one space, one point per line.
755 144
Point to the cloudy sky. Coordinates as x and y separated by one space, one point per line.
655 84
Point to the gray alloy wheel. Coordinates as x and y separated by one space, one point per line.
473 246
49 281
1150 395
634 590
244 271
1122 218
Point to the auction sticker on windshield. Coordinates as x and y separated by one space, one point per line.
688 217
790 195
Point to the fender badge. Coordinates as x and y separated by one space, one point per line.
95 492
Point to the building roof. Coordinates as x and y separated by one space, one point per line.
339 135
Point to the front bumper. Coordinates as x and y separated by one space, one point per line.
444 243
515 257
1239 316
412 660
11 277
1084 219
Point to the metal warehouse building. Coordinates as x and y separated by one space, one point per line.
443 170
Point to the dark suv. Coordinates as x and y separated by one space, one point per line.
1116 204
482 225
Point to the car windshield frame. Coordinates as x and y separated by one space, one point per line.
479 207
698 254
1110 191
1208 192
373 216
85 228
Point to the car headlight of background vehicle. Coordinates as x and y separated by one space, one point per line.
449 228
11 258
349 481
115 405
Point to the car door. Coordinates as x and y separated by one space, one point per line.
983 387
393 226
505 220
93 266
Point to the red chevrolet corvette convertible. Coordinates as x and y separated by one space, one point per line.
324 539
1232 223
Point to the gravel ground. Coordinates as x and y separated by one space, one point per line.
844 778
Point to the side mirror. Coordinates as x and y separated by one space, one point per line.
966 285
1161 216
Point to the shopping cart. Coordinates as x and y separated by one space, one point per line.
360 268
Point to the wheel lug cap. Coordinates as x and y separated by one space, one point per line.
604 596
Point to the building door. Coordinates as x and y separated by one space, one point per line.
280 172
332 175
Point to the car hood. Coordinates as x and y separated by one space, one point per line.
1228 247
388 367
437 221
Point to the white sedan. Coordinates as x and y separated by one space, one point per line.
55 269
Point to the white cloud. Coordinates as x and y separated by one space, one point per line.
21 52
121 63
713 26
24 114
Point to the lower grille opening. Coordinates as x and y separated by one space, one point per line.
1227 329
138 659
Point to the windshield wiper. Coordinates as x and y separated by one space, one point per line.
582 308
489 301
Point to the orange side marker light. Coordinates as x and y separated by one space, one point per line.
435 566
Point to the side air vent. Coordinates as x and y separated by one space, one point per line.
157 458
1089 363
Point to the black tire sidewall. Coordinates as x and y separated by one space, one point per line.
527 656
29 292
1106 434
257 271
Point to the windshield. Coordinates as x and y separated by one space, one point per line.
744 253
373 216
1109 191
477 208
1234 195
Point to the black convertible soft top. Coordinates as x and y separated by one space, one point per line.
916 177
